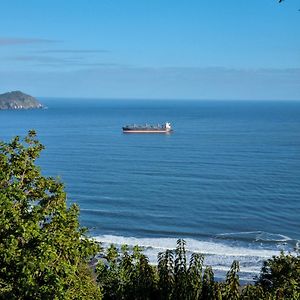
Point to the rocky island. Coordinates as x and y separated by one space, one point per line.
18 100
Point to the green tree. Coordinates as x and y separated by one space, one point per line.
108 274
127 275
44 253
144 277
195 276
251 292
209 287
232 284
281 275
166 274
180 271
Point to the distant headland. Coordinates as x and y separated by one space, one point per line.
18 100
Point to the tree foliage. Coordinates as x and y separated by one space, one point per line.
128 275
43 250
281 274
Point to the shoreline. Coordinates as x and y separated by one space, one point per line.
218 255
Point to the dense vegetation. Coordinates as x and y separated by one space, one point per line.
129 276
43 250
44 253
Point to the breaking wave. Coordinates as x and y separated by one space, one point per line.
255 236
218 254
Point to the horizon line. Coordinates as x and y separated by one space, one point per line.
158 99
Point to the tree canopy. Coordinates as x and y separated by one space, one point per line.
128 275
44 252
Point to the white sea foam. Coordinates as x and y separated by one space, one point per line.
205 247
258 236
217 254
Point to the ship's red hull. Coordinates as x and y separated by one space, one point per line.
146 131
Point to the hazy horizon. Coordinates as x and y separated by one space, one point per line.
155 50
55 98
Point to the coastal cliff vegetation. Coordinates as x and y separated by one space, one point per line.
46 254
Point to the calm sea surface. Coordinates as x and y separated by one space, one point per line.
227 180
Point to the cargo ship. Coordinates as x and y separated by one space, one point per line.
164 128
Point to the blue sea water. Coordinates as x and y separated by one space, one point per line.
227 179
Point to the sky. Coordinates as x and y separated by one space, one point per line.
151 49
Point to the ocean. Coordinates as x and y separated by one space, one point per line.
227 179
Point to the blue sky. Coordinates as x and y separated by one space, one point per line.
154 49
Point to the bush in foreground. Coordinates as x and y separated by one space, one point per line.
43 250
